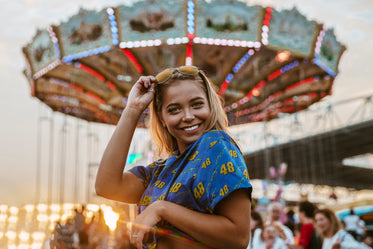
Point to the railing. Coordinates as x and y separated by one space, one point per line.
319 118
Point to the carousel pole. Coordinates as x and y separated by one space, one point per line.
51 164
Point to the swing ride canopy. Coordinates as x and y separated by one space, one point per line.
262 61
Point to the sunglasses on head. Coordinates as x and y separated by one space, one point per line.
166 74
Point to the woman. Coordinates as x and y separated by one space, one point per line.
269 238
201 192
333 236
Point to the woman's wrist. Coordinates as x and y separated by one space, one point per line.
132 112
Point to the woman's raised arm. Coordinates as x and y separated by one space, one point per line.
111 182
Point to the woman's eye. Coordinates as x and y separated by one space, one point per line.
173 110
197 104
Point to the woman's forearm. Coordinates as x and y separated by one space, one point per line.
110 171
216 231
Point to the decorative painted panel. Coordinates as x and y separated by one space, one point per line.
228 20
152 20
290 30
41 51
330 51
85 31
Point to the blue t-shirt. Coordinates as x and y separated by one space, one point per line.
205 173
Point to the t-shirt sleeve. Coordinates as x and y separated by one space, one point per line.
305 234
223 171
144 173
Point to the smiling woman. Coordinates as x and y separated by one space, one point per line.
201 191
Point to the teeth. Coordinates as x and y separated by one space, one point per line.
191 128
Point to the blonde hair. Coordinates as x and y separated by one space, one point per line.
163 140
335 224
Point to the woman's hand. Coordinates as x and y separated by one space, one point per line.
337 244
142 93
141 227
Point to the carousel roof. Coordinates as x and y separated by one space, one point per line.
262 61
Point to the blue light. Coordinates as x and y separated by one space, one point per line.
229 77
190 17
114 29
191 11
115 42
115 36
111 17
190 23
190 4
114 24
325 68
191 30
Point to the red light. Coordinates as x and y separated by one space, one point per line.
134 61
223 87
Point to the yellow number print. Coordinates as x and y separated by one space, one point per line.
224 190
233 153
146 200
246 174
175 187
224 169
199 191
193 156
159 184
213 143
206 163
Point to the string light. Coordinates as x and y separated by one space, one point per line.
265 27
114 26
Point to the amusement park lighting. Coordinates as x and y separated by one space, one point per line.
24 236
282 56
3 218
3 208
11 235
13 210
36 245
12 219
55 208
42 218
256 92
93 207
23 246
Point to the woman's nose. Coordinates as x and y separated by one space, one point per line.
188 115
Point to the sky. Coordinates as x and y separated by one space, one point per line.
352 21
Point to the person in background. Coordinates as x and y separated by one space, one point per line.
269 238
334 237
367 240
290 221
274 215
352 224
199 192
256 225
308 238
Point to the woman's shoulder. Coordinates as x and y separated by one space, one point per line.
218 135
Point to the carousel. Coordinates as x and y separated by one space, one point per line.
264 62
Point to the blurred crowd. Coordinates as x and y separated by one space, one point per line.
304 226
79 232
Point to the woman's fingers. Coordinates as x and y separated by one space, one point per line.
146 81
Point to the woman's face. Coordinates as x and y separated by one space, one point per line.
269 233
322 222
185 111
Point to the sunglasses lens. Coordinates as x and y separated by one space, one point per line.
189 70
166 74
